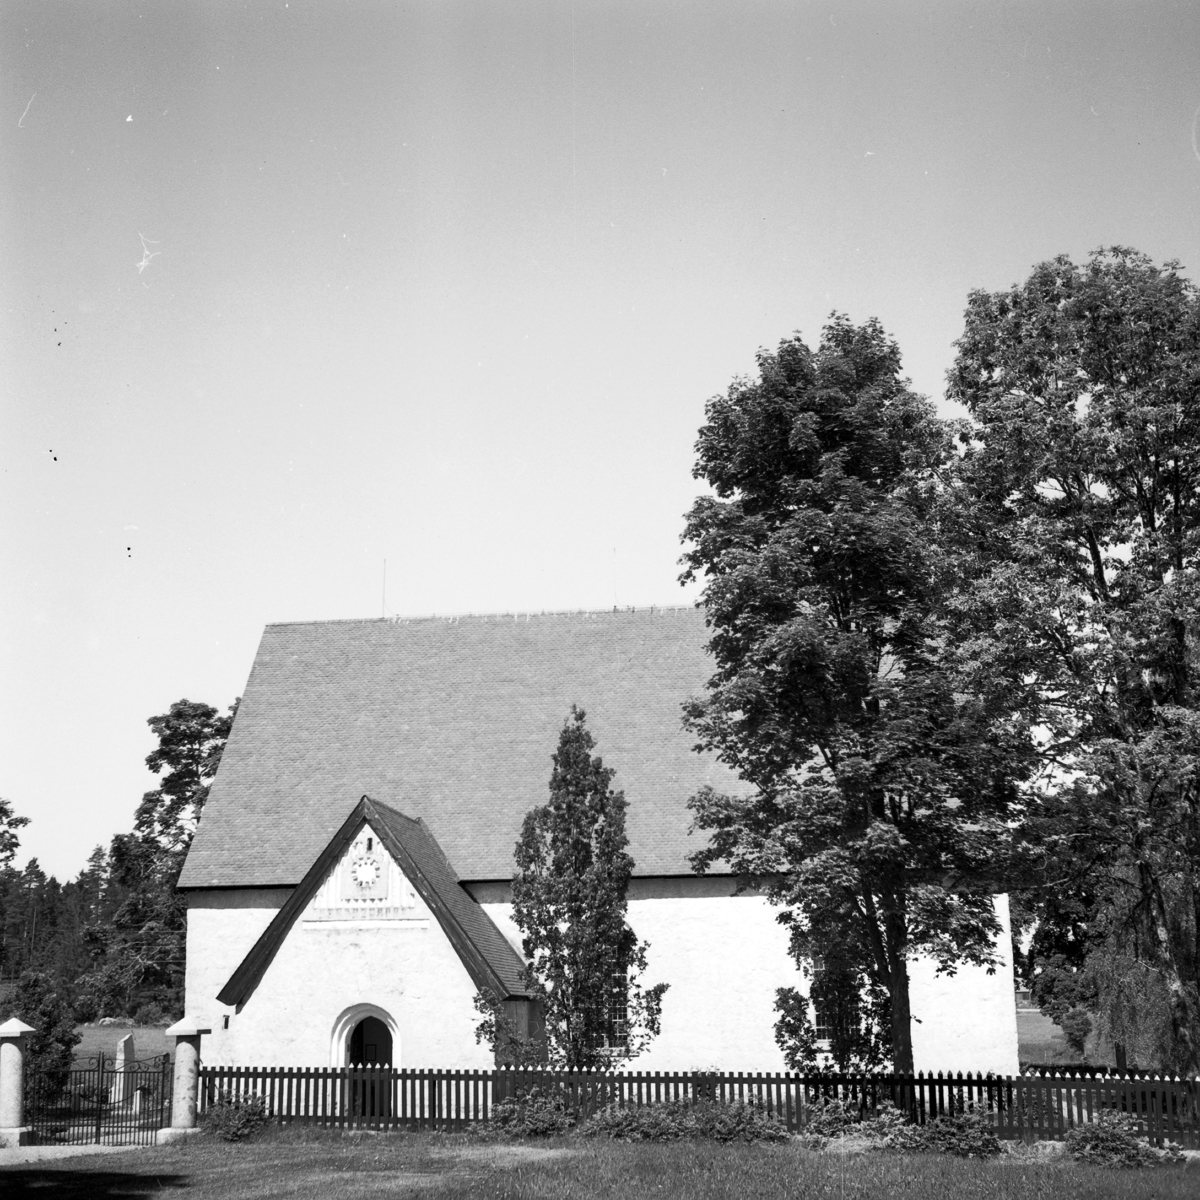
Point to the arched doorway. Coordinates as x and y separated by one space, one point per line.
360 1027
371 1043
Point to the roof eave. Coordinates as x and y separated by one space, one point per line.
250 970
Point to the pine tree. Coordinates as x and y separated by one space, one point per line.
139 943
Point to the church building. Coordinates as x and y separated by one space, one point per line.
349 886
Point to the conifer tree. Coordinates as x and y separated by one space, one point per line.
141 945
569 901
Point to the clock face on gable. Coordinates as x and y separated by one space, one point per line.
365 872
365 869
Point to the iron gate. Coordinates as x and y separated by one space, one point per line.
100 1105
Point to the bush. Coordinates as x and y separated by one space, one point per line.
1113 1141
835 1120
85 1008
832 1119
710 1120
967 1135
538 1112
1076 1025
651 1123
236 1117
151 1014
737 1121
964 1135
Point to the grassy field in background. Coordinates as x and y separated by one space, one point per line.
1040 1040
148 1041
319 1165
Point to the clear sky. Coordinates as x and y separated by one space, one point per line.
448 284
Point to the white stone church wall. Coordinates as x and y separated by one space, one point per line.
724 956
398 961
966 1021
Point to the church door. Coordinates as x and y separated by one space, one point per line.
370 1048
371 1044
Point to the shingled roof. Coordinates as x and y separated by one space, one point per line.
453 720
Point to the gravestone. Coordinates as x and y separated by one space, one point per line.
126 1074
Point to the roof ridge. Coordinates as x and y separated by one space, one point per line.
493 616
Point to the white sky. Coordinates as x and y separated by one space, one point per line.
449 283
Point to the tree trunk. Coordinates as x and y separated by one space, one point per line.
902 1052
888 941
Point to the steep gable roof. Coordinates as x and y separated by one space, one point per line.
454 720
489 959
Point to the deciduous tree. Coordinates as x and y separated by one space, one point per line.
1079 497
878 762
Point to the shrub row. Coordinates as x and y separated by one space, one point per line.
1110 1141
738 1121
966 1135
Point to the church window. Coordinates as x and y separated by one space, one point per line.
822 1022
615 1016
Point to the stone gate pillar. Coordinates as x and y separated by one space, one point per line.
187 1034
13 1130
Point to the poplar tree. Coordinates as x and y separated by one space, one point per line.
569 901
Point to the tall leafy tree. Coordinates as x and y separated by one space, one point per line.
879 764
141 950
569 901
1079 495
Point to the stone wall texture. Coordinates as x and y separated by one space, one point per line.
722 954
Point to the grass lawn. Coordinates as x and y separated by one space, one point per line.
330 1166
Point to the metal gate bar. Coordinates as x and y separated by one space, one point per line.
99 1105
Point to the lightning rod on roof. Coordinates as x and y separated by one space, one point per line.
383 600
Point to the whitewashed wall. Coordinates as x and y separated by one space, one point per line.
966 1021
398 961
723 955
